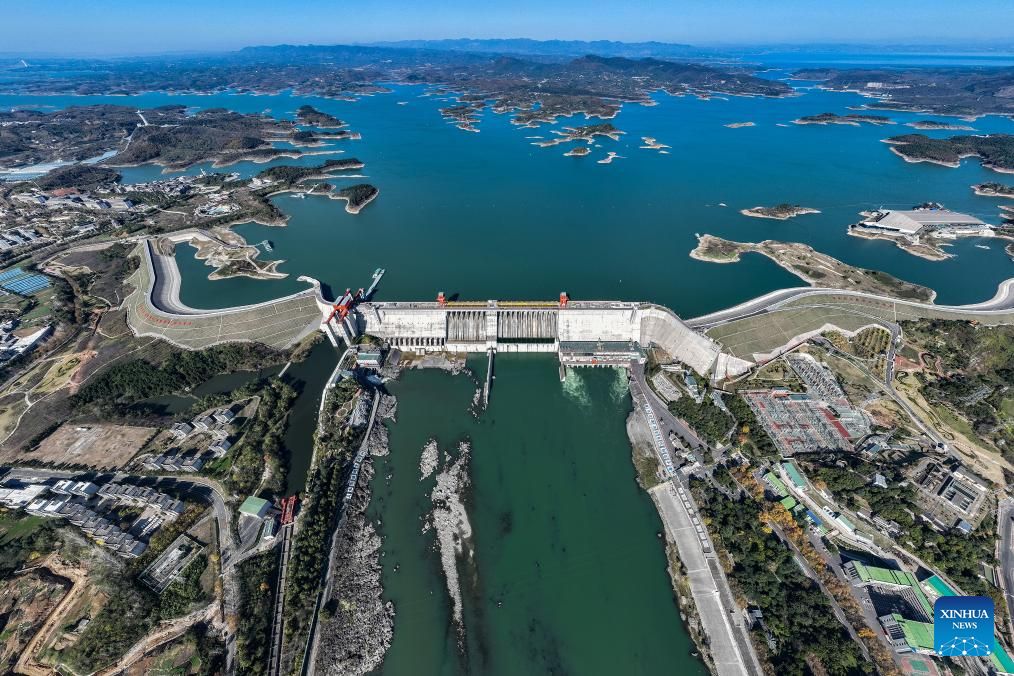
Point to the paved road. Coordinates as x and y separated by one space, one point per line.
1005 524
667 421
721 620
1003 301
277 623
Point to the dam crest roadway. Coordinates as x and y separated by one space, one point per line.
583 333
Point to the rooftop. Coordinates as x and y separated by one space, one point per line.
914 220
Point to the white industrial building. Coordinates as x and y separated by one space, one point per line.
915 222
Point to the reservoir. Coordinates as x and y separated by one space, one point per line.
569 576
489 215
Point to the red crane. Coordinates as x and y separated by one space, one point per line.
344 305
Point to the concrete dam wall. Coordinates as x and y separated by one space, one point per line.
480 326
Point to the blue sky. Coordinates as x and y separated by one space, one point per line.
147 26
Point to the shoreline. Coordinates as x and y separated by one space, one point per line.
349 207
758 212
922 249
834 273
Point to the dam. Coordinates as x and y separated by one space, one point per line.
723 344
582 333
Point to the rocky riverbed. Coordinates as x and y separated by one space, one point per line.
450 520
357 624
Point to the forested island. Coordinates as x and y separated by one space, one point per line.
937 125
311 116
996 151
356 196
851 119
586 134
779 212
994 190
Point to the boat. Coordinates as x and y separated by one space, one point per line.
299 195
981 246
268 246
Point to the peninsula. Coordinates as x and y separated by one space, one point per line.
813 267
780 212
309 115
996 151
967 92
994 190
356 196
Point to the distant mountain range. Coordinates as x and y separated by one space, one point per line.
554 48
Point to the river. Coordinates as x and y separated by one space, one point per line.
569 575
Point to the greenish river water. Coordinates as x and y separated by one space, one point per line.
569 575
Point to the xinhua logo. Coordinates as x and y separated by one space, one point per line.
963 625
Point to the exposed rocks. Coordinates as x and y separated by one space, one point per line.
454 532
356 624
429 459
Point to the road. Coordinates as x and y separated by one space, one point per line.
721 620
1000 303
278 623
1005 543
667 422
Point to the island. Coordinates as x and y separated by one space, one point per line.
464 116
309 115
813 267
651 143
356 196
586 134
579 151
994 190
852 119
996 151
779 212
937 125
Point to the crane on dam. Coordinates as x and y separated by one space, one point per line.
349 300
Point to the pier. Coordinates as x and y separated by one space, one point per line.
489 378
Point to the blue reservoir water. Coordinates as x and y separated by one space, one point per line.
488 215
